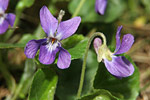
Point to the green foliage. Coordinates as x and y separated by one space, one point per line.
26 38
114 10
99 94
72 41
69 78
77 45
127 87
25 3
79 50
27 76
26 79
146 3
43 85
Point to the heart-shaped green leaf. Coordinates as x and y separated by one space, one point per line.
79 50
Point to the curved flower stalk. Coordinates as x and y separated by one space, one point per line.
56 30
5 19
100 6
118 66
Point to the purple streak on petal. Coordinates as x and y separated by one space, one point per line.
119 66
100 6
118 42
64 59
97 43
48 21
11 18
47 53
67 28
3 26
32 47
4 4
126 44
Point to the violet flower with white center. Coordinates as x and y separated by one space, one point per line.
100 6
56 30
118 66
5 19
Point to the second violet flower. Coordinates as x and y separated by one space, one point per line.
118 66
56 31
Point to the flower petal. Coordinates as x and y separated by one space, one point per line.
67 28
4 4
64 59
119 66
48 21
10 17
126 44
48 53
97 43
100 6
3 25
118 42
32 47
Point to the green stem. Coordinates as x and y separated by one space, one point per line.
78 8
26 78
85 58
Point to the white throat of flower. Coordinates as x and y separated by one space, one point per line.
51 47
52 43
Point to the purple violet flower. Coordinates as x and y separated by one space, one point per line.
118 66
5 19
100 6
55 31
